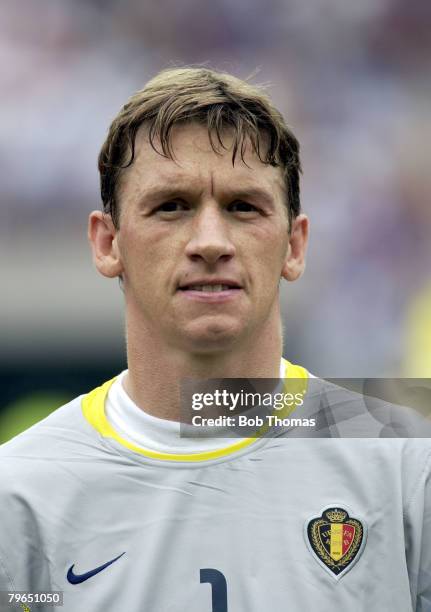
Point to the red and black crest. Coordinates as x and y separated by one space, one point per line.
336 539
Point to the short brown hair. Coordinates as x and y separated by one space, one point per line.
219 101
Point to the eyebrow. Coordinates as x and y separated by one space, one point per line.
160 193
254 193
167 192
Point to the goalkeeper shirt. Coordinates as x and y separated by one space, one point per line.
284 524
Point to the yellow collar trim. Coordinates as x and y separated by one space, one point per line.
93 408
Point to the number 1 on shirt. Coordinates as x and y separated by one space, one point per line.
218 588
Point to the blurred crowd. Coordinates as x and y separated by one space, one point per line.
352 79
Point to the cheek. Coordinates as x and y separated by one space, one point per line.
269 253
147 254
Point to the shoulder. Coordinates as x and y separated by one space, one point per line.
43 438
347 409
39 453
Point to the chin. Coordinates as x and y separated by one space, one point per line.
212 338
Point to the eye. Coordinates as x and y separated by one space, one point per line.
171 207
242 207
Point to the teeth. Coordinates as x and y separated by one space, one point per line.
211 288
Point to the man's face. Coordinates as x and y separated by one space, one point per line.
202 243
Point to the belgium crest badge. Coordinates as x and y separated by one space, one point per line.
335 539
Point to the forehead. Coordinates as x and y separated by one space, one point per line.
195 164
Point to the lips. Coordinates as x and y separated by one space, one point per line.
211 286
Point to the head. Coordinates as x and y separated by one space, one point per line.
200 182
217 101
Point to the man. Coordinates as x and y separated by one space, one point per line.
103 500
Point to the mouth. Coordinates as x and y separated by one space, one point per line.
209 288
212 292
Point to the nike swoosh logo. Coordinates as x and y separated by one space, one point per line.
78 578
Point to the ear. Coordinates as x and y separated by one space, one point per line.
102 235
294 264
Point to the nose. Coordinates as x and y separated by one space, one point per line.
210 239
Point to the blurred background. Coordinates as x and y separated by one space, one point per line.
352 79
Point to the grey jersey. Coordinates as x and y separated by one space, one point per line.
278 524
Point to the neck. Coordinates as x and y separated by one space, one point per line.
155 371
